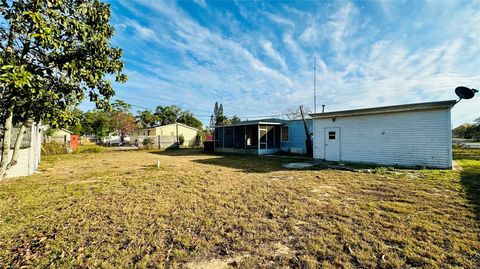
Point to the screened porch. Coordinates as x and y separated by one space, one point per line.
254 138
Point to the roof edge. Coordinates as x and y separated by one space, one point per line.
251 123
161 126
386 109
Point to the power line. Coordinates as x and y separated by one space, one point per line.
208 116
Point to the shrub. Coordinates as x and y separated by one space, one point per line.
89 149
383 170
53 148
181 140
147 143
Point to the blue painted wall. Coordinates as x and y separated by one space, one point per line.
297 137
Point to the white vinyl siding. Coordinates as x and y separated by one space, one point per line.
415 138
29 156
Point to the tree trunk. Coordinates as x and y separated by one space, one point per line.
16 148
7 137
308 141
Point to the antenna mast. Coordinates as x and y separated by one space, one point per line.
314 88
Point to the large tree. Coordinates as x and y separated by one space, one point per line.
234 120
217 117
76 127
52 54
146 118
122 122
167 114
96 123
187 118
294 113
213 118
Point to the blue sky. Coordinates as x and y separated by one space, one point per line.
256 57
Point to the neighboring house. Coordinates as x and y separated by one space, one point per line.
266 136
30 151
412 135
61 136
167 136
64 137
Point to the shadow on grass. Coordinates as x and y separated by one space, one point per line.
179 152
246 163
470 179
469 159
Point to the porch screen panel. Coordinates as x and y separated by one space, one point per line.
277 136
216 136
239 137
252 136
270 137
228 141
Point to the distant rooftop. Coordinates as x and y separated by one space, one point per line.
270 121
267 121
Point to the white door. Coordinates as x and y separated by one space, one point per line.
332 144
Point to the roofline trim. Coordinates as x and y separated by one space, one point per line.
253 123
386 109
161 126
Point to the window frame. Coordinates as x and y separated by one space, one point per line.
330 135
288 134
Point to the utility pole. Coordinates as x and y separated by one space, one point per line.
314 87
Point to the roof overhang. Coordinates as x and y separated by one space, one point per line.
167 125
250 123
386 109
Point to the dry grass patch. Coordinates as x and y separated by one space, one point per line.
117 209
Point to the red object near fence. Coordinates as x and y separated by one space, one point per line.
74 141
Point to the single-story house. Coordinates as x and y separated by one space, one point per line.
261 137
411 135
61 136
167 136
30 151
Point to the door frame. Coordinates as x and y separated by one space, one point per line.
325 142
260 150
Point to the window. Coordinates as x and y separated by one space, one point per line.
148 132
331 135
285 137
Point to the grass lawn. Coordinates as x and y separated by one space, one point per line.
116 209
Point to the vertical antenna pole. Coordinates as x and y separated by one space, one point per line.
314 88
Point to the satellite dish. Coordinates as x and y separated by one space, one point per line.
465 93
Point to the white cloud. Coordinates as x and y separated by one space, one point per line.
141 31
341 25
278 19
201 3
210 65
270 51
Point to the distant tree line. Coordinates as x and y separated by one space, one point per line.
100 123
468 131
164 115
120 121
